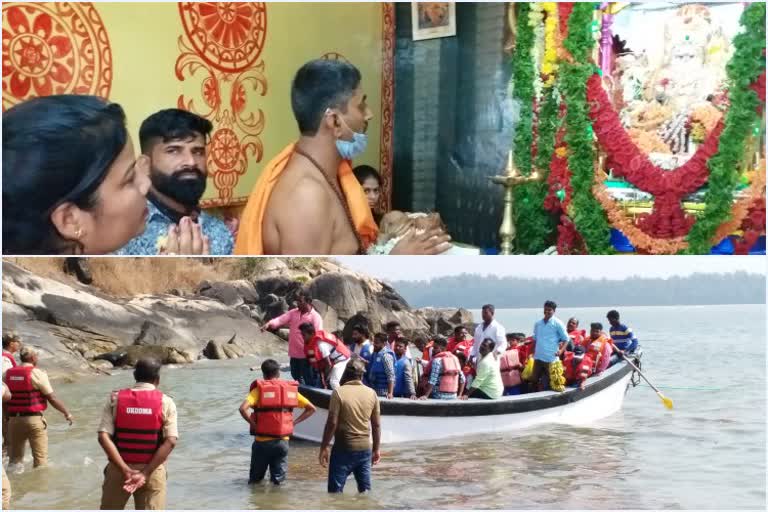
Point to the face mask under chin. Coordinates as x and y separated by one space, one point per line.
349 149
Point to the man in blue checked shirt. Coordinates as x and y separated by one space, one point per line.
173 153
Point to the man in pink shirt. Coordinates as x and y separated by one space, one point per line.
304 312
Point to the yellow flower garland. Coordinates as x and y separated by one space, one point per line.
549 62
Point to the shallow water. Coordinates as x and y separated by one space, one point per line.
708 453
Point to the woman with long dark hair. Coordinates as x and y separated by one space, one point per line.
370 180
70 183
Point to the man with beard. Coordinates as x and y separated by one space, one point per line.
174 155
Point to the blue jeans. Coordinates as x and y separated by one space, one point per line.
513 390
272 455
302 372
343 463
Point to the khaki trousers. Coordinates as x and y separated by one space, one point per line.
28 428
150 496
6 492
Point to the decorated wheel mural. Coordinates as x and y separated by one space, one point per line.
229 36
54 48
225 148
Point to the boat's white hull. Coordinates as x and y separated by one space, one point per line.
400 428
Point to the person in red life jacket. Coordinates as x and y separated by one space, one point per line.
575 334
326 353
381 371
467 369
445 378
524 345
577 367
11 345
510 366
31 392
404 386
6 482
461 340
273 401
138 431
599 346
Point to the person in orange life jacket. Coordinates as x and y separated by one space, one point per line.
138 431
599 347
575 334
510 366
381 371
404 386
354 419
461 340
445 378
272 401
6 482
577 366
31 392
11 345
467 369
326 353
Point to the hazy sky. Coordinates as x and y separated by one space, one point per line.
417 268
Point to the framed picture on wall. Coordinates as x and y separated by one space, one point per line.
433 19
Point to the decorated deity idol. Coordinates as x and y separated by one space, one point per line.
691 75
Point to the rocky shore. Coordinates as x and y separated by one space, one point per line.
80 330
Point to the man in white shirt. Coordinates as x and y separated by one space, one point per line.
489 328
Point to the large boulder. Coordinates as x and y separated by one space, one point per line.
130 355
73 324
331 321
231 293
445 320
345 293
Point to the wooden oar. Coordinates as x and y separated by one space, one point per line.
667 401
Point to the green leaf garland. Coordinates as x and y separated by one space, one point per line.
746 65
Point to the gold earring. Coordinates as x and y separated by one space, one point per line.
78 233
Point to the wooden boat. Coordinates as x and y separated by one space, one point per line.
405 420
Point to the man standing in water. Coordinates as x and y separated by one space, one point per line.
138 431
353 419
31 392
272 401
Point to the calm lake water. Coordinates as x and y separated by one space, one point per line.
708 453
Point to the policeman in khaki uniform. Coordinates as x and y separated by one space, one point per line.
31 392
6 482
138 431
